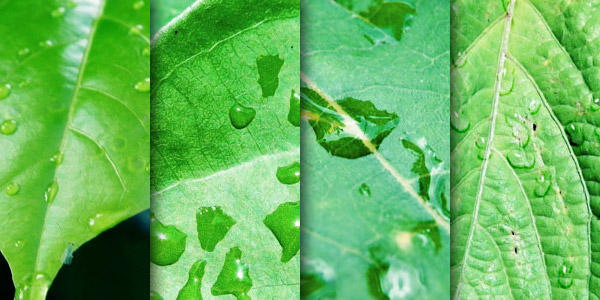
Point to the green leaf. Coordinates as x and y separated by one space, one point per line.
525 150
163 11
375 216
75 130
225 155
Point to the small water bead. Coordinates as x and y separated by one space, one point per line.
11 189
8 127
156 296
5 90
576 135
459 122
284 223
18 244
481 142
146 51
46 44
24 51
57 158
289 174
167 243
142 85
241 116
59 12
364 190
565 278
137 5
543 184
595 105
191 289
51 192
534 106
212 225
137 29
234 277
521 160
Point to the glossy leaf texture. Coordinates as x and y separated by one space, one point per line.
225 155
375 149
74 133
526 149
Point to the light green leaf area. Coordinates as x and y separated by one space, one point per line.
74 129
163 11
525 142
375 150
225 136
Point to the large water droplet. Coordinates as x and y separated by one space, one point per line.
268 73
543 184
142 85
138 4
51 192
212 224
284 223
191 289
289 174
241 116
521 159
481 142
565 278
24 51
167 243
11 189
59 12
234 277
4 91
364 190
459 122
8 127
156 296
294 113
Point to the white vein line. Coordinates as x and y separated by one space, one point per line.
488 150
63 142
119 101
249 163
353 127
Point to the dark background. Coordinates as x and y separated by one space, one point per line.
115 265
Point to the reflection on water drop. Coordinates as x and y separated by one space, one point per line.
135 30
51 192
284 223
534 106
212 224
143 85
595 105
59 12
521 159
8 127
57 158
459 122
18 244
191 289
241 116
4 91
565 278
167 243
543 184
289 174
11 189
46 44
364 190
137 5
234 277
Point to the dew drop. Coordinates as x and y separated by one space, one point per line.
284 223
294 113
156 296
543 184
481 142
51 192
191 289
137 29
11 189
146 51
364 190
534 106
46 44
57 158
143 85
24 51
137 5
167 243
5 90
459 122
289 174
18 244
212 224
8 127
595 105
521 160
234 277
59 12
241 116
565 278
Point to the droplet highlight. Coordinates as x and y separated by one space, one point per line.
11 189
521 160
212 225
167 243
234 278
51 192
59 12
459 122
241 116
142 85
565 278
8 127
284 223
138 5
191 289
289 174
5 90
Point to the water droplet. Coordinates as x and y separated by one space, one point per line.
46 44
268 73
212 224
289 174
459 122
595 105
18 244
167 243
521 160
137 5
146 51
34 287
59 12
241 116
156 296
534 106
364 190
191 289
565 278
284 223
543 184
51 192
24 51
57 158
143 85
481 142
460 63
576 135
294 113
8 127
11 189
135 30
4 91
234 277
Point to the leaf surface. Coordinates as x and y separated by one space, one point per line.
225 156
74 129
375 150
525 149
